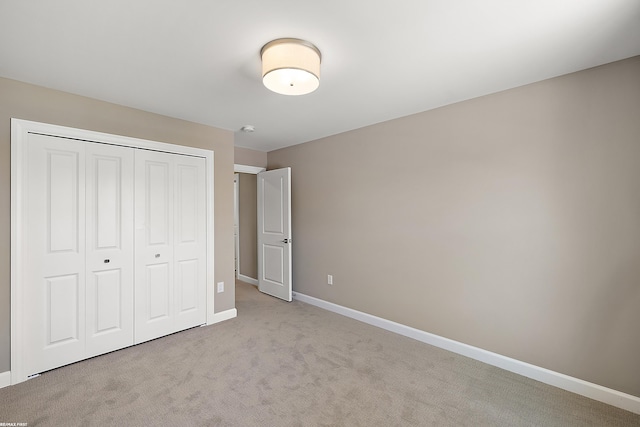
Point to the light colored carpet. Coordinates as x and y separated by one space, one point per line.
291 364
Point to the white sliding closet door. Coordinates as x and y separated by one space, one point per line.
109 273
54 283
170 244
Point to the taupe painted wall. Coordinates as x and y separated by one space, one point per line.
248 227
248 157
509 222
28 102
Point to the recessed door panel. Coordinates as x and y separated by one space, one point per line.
158 291
62 200
63 309
272 213
108 186
157 191
108 309
273 264
187 285
188 203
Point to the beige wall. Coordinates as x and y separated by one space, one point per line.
248 157
248 227
509 222
35 103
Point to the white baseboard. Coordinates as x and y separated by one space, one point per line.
223 315
575 385
5 379
247 279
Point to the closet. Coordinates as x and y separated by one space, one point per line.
114 248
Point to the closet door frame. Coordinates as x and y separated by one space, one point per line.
20 130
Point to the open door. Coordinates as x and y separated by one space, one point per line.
274 233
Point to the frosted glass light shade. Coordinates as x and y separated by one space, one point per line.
290 66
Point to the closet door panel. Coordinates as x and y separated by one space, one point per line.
62 302
154 214
108 305
190 243
158 194
158 292
110 267
187 286
55 274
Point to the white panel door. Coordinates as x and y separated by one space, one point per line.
170 243
109 248
190 246
274 233
154 261
54 284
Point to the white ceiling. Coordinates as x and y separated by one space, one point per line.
199 59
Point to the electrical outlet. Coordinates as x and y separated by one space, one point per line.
329 279
220 287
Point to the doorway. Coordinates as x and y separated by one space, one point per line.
245 217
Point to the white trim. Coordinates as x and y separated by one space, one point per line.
236 221
248 169
19 131
223 315
556 379
211 247
17 215
5 379
248 279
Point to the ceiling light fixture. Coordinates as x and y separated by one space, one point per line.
290 66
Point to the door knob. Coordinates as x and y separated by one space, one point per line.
106 261
157 255
286 241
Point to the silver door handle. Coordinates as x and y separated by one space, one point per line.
286 241
157 255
